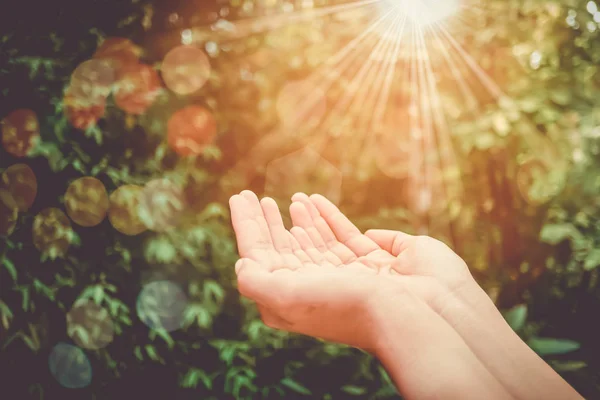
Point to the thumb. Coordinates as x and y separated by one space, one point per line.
253 280
393 242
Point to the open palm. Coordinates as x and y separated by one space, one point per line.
304 280
427 265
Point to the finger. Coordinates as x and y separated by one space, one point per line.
302 219
393 242
256 212
308 246
345 231
333 244
279 235
275 225
250 236
274 290
297 249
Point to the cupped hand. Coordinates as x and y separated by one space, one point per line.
436 270
343 288
441 279
301 286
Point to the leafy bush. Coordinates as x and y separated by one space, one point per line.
539 261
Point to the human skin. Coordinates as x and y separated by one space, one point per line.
457 298
313 280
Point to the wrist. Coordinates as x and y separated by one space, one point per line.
423 354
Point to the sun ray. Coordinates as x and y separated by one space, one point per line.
329 72
488 82
369 99
252 26
343 103
372 132
465 89
445 154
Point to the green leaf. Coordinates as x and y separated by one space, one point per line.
43 289
30 343
151 351
10 267
164 335
354 390
212 290
242 381
190 380
62 281
592 260
556 233
548 346
295 386
516 317
98 294
25 292
125 320
568 366
255 329
6 315
138 353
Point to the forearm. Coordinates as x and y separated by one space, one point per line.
521 371
412 339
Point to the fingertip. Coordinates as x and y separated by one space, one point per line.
316 196
297 205
299 196
320 200
268 200
233 198
238 266
249 194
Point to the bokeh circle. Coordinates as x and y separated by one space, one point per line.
123 212
119 51
190 130
52 232
162 205
137 88
9 213
92 80
86 201
161 305
20 132
70 366
20 181
90 325
185 69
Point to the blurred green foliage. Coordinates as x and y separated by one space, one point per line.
539 261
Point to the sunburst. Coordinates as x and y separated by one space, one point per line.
383 89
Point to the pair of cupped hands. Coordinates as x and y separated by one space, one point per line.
408 300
